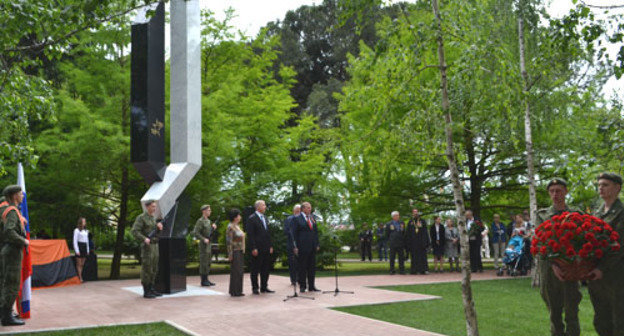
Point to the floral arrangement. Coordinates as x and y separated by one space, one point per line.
476 228
574 242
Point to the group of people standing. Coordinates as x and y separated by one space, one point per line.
414 240
302 240
302 243
605 282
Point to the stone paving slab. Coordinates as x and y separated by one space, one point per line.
109 303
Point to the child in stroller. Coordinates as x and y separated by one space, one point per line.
516 257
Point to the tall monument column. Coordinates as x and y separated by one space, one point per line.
167 184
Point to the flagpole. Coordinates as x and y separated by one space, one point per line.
23 299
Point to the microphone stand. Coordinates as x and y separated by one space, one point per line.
336 291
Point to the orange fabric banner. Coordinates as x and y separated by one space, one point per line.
52 264
45 251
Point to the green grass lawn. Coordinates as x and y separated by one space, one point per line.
151 329
504 307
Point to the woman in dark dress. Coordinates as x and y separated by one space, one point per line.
438 241
235 238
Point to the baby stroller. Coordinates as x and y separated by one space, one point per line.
517 257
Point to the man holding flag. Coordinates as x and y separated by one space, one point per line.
13 244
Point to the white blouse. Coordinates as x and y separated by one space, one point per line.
81 237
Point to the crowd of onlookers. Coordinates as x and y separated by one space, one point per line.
417 238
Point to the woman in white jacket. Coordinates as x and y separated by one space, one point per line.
81 245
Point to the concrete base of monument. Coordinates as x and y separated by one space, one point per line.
211 311
190 291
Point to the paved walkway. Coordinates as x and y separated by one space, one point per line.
214 313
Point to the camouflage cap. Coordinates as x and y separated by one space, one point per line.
611 177
204 207
557 181
10 190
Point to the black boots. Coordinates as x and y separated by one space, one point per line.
205 281
147 292
154 291
8 319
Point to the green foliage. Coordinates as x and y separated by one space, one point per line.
392 139
131 246
36 35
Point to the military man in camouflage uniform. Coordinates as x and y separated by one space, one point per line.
560 296
145 230
607 289
203 231
11 254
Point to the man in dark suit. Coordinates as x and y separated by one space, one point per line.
261 248
289 225
306 246
474 242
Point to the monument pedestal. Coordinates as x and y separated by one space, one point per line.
171 265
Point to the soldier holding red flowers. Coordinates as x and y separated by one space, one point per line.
606 290
560 296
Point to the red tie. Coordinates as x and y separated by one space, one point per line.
309 223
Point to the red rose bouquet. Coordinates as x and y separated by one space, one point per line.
476 228
574 242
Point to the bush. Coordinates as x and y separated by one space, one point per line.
192 248
131 246
349 237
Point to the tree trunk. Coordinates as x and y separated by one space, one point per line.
121 223
527 132
476 182
124 190
472 328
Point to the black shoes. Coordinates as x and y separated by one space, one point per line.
8 319
256 292
155 292
314 289
302 290
147 293
266 290
205 282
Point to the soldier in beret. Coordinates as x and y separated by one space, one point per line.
605 290
203 231
11 254
145 230
560 296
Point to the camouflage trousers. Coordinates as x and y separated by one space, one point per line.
11 265
560 297
149 263
607 297
205 258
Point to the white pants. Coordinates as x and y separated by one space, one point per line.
485 247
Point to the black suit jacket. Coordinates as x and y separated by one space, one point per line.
432 234
289 224
258 237
306 239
